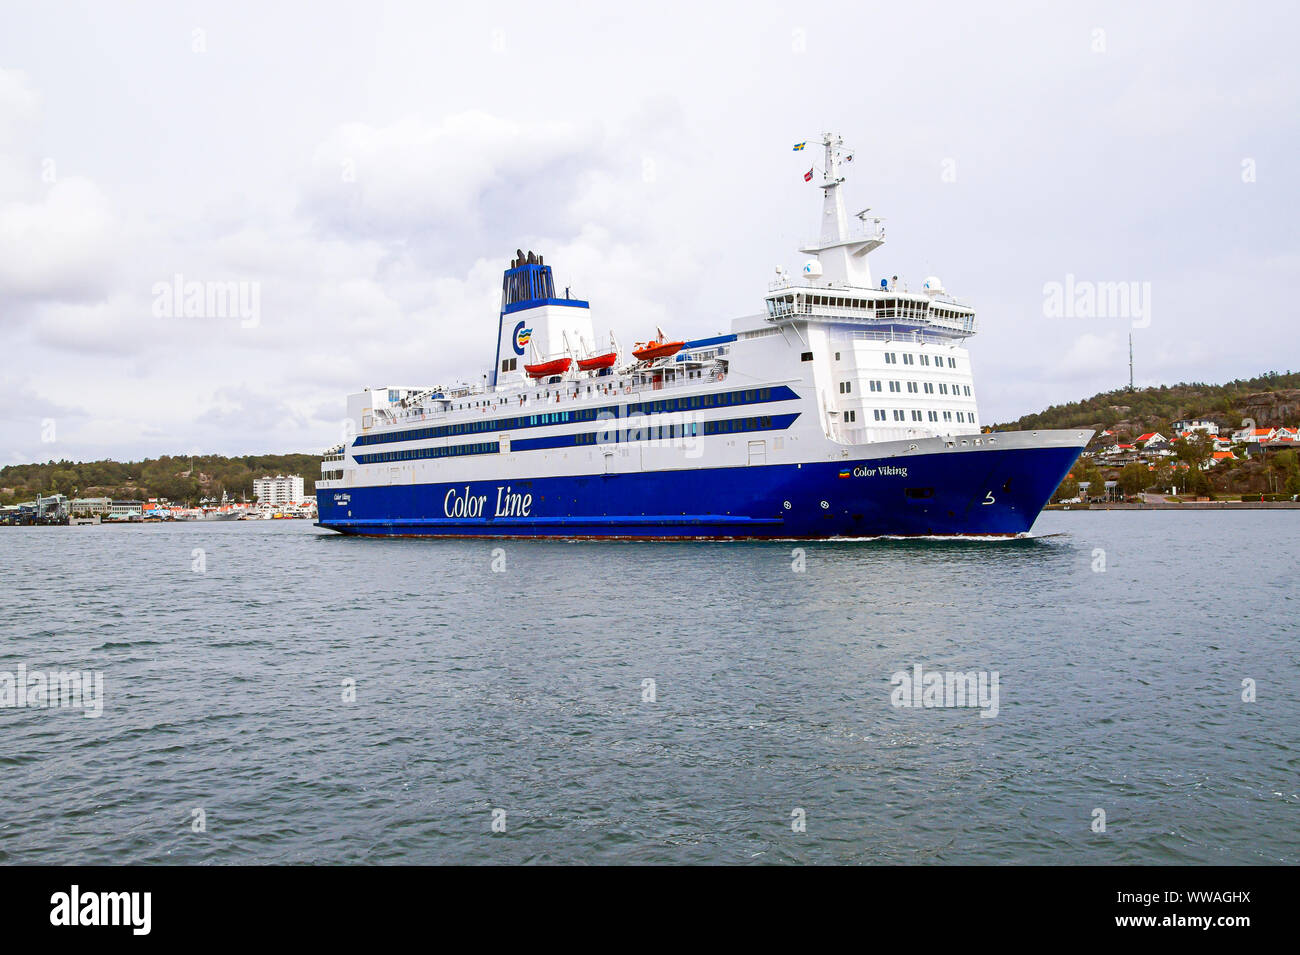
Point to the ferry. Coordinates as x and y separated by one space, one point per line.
846 409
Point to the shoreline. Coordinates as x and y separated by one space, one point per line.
1183 506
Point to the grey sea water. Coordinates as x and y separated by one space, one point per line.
523 690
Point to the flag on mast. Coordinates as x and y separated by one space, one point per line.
807 177
799 146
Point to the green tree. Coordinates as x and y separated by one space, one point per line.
1133 479
1194 451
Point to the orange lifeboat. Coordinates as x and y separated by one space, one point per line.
548 368
658 348
597 362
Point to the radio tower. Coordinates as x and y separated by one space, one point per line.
1130 361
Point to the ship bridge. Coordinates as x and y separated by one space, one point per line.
888 311
838 286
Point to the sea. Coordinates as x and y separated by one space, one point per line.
268 692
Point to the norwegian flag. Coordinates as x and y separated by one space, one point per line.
807 177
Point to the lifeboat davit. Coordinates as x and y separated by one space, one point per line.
597 362
548 368
649 351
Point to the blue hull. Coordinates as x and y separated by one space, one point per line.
993 492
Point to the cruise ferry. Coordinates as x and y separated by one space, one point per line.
846 408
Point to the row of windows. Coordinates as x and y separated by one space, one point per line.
718 400
896 387
891 358
658 432
415 454
752 396
878 414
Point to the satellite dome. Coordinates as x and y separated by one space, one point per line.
933 285
812 268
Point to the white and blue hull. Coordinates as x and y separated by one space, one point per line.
995 490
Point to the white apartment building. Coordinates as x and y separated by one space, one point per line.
281 489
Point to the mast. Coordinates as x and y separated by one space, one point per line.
835 223
841 250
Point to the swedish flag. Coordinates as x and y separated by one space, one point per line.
799 146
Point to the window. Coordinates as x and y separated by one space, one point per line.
908 359
911 387
952 362
891 358
916 416
933 415
898 415
947 416
929 387
894 386
875 385
878 414
850 416
837 356
846 387
943 389
925 359
967 387
806 356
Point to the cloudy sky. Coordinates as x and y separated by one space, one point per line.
367 170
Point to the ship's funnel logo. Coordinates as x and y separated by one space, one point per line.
522 337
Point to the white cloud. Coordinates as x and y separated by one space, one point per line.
649 162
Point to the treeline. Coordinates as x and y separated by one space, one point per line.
1156 407
178 479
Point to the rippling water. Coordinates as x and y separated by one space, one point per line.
522 690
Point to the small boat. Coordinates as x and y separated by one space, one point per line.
546 369
598 362
649 351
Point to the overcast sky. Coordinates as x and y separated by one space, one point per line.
369 169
